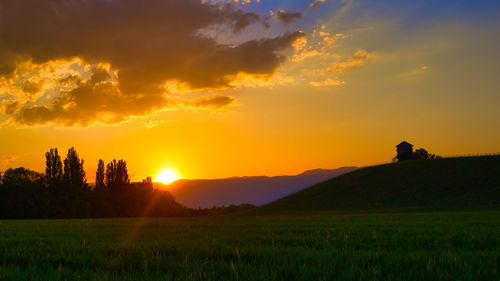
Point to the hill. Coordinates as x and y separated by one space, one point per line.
465 182
245 190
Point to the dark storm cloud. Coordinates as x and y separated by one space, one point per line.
288 17
145 43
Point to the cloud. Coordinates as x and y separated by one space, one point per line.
245 2
319 45
252 81
316 3
85 61
357 60
419 72
215 102
286 17
150 123
307 53
5 161
326 82
99 98
329 39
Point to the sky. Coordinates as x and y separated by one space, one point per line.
214 89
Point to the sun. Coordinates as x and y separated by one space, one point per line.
167 176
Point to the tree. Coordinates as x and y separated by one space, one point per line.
116 174
0 177
99 175
420 154
23 194
147 182
434 156
53 167
20 177
73 169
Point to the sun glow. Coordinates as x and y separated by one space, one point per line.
167 176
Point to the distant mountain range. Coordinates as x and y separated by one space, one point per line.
257 190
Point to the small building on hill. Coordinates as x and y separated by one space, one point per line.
405 151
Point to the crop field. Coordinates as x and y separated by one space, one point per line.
320 246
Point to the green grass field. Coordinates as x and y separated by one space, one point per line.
295 238
321 246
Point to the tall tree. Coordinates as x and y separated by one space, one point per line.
116 174
73 169
99 175
0 177
53 167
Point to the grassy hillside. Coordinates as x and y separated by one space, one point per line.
466 182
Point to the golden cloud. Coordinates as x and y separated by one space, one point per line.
316 3
329 39
319 45
357 60
307 53
326 82
85 61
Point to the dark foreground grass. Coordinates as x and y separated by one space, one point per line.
412 246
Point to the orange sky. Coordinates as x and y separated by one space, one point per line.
238 90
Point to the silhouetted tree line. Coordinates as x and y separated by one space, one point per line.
63 192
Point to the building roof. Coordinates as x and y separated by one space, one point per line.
404 143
